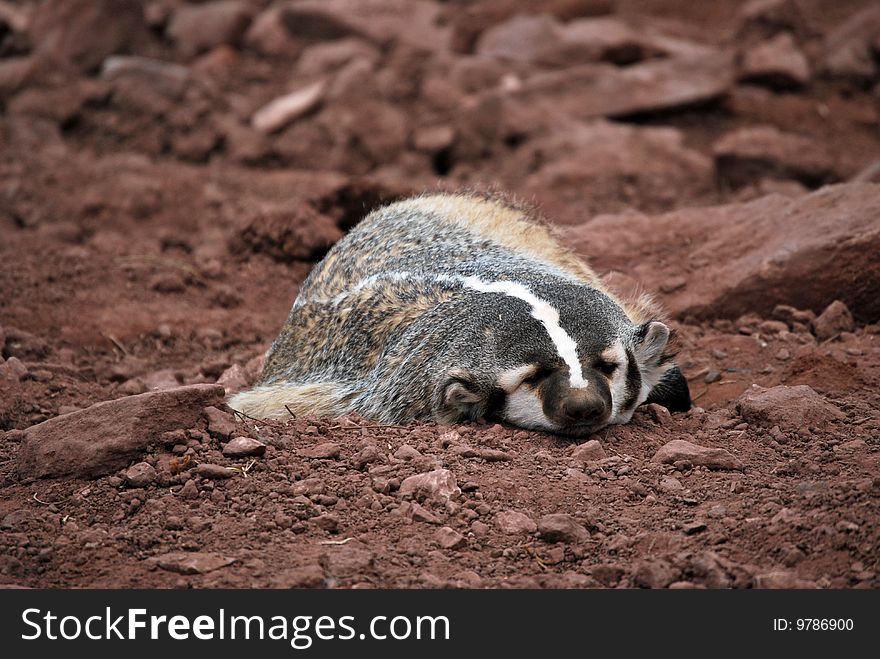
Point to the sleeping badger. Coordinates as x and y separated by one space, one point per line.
455 308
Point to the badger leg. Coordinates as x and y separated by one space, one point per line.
278 401
672 392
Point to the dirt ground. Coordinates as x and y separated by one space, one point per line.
155 223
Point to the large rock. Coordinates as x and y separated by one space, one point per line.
595 90
81 33
747 155
750 257
108 436
790 408
603 166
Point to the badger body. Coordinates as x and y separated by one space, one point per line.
453 308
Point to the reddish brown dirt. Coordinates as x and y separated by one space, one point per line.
140 246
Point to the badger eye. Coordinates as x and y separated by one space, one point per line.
604 367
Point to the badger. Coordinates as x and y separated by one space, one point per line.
457 307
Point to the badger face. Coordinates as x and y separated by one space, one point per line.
573 368
610 384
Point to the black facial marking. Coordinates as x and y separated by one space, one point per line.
633 381
495 403
672 392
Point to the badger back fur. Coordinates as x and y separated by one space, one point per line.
456 307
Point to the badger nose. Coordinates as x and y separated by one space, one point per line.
582 410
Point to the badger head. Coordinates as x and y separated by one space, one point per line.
569 366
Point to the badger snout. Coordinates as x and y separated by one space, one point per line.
582 409
579 411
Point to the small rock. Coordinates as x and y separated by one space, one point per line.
433 139
140 475
679 450
221 425
480 529
309 576
329 522
13 369
777 63
654 574
513 522
325 451
421 514
192 562
712 376
607 574
449 538
559 527
243 447
214 472
196 28
438 484
494 455
367 455
590 451
407 452
284 110
835 319
189 490
234 379
347 560
790 408
692 528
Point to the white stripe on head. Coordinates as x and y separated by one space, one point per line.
544 312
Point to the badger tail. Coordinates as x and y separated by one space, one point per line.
280 400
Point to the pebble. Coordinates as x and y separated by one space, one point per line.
214 471
422 514
560 527
221 425
407 452
589 451
242 447
449 538
366 456
189 490
286 109
712 376
679 450
437 484
329 522
140 475
692 528
325 451
513 522
192 562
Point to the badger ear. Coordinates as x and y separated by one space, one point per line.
649 343
460 398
